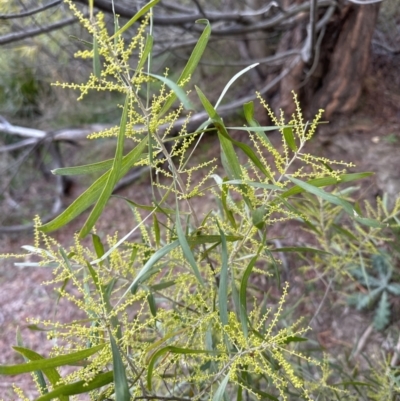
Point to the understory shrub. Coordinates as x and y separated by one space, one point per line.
173 314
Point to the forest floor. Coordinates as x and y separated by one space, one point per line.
370 138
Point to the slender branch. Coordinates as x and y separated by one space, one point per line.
362 2
31 12
308 51
386 47
278 20
189 17
15 37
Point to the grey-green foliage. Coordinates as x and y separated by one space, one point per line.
378 288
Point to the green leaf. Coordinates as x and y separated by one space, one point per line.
65 257
344 232
253 184
223 282
113 176
162 285
149 264
86 169
54 362
156 228
299 249
325 181
120 381
98 247
191 64
259 129
41 382
243 294
219 394
294 339
96 59
93 192
185 247
226 142
79 387
165 350
394 288
210 239
152 303
228 212
179 92
257 217
370 222
146 51
289 138
382 313
140 13
248 109
51 373
156 209
229 158
324 195
105 293
231 81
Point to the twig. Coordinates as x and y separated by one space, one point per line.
362 341
15 37
31 12
396 353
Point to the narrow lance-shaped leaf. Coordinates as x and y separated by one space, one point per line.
219 394
51 373
98 247
54 362
149 264
289 138
79 387
325 181
227 149
194 240
96 59
88 197
222 132
324 195
243 291
248 109
228 212
231 81
146 51
139 14
105 294
85 169
299 249
382 312
175 350
191 64
186 249
42 385
113 176
223 282
178 91
120 381
156 209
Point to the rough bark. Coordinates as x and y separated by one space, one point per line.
342 85
336 80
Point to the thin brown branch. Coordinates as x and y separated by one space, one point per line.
245 20
31 12
15 37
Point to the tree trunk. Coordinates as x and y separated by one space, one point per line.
335 81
